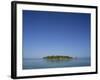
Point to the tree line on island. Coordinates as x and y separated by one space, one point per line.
58 57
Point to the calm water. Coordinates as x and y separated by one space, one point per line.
43 63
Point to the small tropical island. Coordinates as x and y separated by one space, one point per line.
58 57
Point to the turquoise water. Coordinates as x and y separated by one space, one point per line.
43 63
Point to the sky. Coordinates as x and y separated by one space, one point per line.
55 33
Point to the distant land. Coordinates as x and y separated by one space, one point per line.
57 57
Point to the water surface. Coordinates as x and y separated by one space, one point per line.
43 63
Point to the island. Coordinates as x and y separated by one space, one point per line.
58 57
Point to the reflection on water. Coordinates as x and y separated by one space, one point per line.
44 63
56 61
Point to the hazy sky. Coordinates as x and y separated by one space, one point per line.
55 33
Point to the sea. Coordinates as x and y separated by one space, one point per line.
40 63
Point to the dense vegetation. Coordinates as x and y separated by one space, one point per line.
57 57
